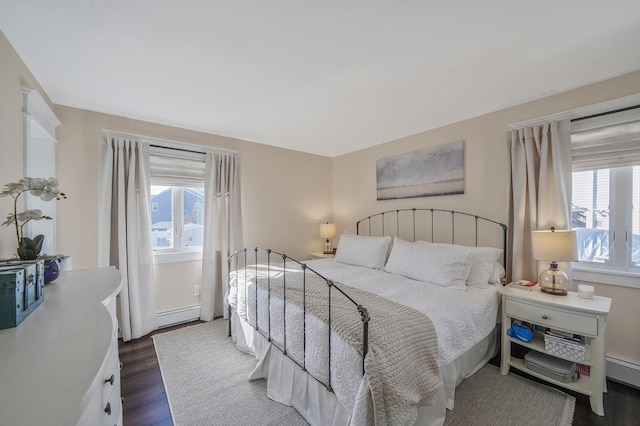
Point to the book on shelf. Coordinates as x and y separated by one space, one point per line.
584 370
523 285
564 335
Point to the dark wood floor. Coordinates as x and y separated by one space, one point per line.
145 401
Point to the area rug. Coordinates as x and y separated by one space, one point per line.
488 398
205 378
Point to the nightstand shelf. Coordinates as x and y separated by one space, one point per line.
583 385
537 344
570 313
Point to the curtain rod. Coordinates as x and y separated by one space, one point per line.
605 113
583 112
169 144
177 149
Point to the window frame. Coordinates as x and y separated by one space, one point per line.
179 252
582 272
182 150
618 270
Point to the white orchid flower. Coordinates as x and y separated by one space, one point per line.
26 216
10 219
46 189
14 189
34 214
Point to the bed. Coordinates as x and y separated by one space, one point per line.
383 333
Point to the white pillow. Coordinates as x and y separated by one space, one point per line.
445 265
498 273
482 269
361 250
483 266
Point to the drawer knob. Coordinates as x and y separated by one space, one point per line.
545 317
107 409
111 379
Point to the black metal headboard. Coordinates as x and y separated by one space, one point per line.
437 225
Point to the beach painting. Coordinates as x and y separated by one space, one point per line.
429 172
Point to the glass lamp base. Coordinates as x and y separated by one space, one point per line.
553 281
327 247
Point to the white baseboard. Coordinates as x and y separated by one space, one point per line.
178 316
623 371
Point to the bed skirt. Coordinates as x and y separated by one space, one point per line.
290 385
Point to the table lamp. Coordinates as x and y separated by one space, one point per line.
327 230
554 246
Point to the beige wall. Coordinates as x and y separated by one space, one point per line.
486 183
13 74
285 194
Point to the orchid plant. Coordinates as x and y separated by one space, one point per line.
47 190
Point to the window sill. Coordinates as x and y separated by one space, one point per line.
622 279
169 257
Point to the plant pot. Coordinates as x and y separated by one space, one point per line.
51 270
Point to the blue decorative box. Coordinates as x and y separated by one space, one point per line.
21 291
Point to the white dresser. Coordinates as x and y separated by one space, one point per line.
60 366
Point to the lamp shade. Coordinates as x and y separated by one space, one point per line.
327 230
555 246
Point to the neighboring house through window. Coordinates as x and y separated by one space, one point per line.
176 217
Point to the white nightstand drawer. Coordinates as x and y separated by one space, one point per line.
580 324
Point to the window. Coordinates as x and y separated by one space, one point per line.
605 207
177 219
177 204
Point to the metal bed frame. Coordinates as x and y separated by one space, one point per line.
242 260
429 220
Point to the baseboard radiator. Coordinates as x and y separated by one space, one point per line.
623 372
178 316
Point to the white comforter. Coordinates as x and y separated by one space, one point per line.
461 319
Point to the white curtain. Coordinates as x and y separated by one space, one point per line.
539 190
222 230
125 230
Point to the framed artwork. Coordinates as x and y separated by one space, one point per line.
429 172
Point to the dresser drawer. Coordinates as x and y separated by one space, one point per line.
110 374
112 412
586 325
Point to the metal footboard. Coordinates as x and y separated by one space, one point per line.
253 257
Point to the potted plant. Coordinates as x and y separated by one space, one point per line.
29 248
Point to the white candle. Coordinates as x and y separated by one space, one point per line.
586 291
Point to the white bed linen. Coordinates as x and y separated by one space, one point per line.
461 319
289 385
472 314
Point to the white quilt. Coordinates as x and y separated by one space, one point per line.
461 320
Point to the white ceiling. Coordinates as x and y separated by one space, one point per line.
326 76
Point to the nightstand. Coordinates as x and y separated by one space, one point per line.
321 255
570 313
